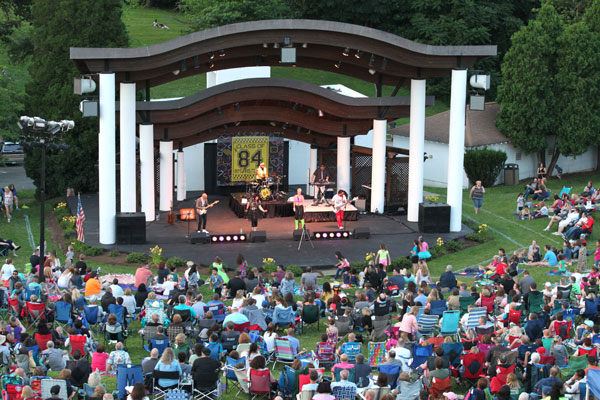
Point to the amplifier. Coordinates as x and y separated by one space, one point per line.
131 228
434 218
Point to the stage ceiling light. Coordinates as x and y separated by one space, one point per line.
358 54
222 53
338 64
211 55
372 60
343 234
211 65
228 238
346 52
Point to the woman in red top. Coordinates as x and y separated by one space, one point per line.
99 358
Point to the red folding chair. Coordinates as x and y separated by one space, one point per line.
488 302
35 312
500 379
474 367
439 386
560 326
245 327
42 341
14 308
587 352
259 383
77 342
515 317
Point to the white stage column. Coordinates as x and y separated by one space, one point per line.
456 147
416 148
378 166
127 147
313 167
147 171
166 176
343 164
107 177
180 176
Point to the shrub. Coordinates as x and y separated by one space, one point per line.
93 251
69 233
400 262
358 265
67 222
437 251
177 262
269 268
295 269
79 247
481 234
484 165
114 253
137 258
454 245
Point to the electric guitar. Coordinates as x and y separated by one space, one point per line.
343 205
204 210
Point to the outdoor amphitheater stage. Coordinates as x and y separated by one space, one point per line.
393 230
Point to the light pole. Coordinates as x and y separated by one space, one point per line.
38 132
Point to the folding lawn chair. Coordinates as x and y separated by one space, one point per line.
344 325
392 371
156 307
450 322
127 375
283 316
325 353
91 316
420 354
473 318
438 307
35 312
474 367
351 374
36 385
439 386
230 374
377 353
380 325
310 315
158 344
14 307
218 310
379 393
63 313
47 384
409 390
210 392
242 380
465 302
500 379
351 349
29 291
161 391
118 311
78 342
12 391
427 324
177 394
344 392
259 383
393 334
42 340
454 352
283 351
536 302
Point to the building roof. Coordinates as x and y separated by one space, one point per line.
480 127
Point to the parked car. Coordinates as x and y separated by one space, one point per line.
12 153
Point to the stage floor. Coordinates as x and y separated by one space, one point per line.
394 231
284 208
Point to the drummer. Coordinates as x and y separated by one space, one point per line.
261 173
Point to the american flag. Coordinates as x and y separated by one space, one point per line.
80 219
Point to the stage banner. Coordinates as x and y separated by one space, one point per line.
247 152
239 154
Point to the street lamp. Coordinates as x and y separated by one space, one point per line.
37 132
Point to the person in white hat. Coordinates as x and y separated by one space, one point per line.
4 351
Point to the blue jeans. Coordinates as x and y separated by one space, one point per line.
338 272
527 193
477 203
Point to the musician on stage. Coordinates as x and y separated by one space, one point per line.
339 202
261 173
299 208
320 176
252 208
202 207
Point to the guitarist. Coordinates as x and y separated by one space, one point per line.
339 202
202 207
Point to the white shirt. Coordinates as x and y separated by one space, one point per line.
117 291
270 340
259 299
338 201
128 303
168 286
64 280
7 270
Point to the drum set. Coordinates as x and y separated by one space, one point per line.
266 189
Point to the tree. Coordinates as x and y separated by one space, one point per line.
10 106
58 25
527 96
578 89
206 14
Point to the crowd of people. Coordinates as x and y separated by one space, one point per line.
200 327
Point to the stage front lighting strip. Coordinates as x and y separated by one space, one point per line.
332 235
229 238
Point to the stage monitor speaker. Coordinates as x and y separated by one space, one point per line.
434 218
258 236
131 228
361 233
298 234
199 237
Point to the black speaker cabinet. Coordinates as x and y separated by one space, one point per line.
131 228
258 236
298 234
361 233
434 218
199 237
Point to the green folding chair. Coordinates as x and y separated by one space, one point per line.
536 302
465 302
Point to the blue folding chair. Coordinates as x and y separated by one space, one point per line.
36 354
218 311
118 311
427 323
230 364
63 313
450 322
158 344
351 349
216 349
453 351
31 291
127 375
287 380
570 313
392 371
438 307
283 316
79 303
420 354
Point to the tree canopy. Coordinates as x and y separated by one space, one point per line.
57 26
